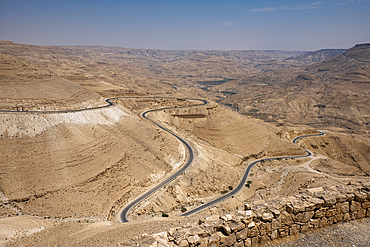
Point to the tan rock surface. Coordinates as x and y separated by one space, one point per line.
79 169
26 86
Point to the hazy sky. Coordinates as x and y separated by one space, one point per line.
188 24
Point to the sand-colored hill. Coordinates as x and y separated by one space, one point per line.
65 176
144 70
317 56
332 93
351 154
198 65
68 164
26 86
359 52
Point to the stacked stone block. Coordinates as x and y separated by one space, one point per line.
264 221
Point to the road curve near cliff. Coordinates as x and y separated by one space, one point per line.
128 207
245 176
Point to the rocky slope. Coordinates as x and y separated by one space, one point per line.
332 93
74 171
316 56
26 86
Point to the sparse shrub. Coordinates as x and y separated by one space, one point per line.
164 215
183 209
262 161
247 185
279 159
224 191
249 182
230 187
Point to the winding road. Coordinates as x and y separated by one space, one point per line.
245 176
128 207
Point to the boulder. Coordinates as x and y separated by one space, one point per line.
274 235
350 196
361 213
265 228
214 240
255 241
346 217
286 219
365 205
360 196
267 216
355 206
248 242
235 226
320 213
276 224
264 239
224 229
227 217
345 207
306 227
330 212
242 234
338 217
239 244
229 241
222 238
284 231
183 243
252 232
341 198
329 199
194 240
294 229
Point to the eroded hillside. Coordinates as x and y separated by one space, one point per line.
26 86
68 174
332 93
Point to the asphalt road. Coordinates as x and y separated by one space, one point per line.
245 176
128 207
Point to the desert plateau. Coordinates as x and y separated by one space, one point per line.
84 130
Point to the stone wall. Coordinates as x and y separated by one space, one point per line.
263 221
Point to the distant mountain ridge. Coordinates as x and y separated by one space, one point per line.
317 56
361 52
